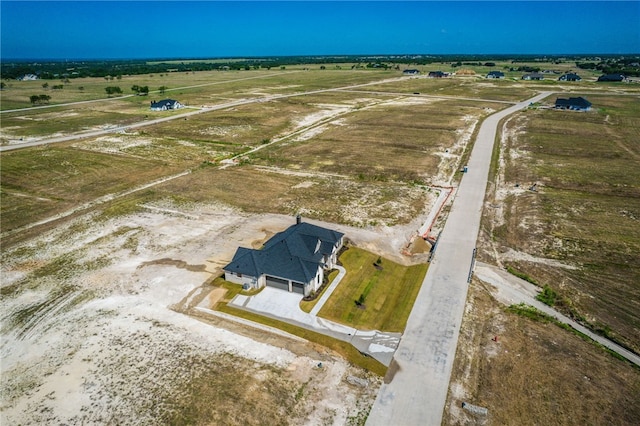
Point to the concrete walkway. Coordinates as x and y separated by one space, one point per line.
327 293
285 306
416 386
511 290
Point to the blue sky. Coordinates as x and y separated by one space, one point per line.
167 29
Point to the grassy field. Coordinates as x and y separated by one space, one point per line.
535 373
385 295
586 213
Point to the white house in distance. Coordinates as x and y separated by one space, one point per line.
294 260
165 105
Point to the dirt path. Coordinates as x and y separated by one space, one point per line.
510 290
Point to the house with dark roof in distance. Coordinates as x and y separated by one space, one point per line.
294 260
437 74
574 104
533 76
612 77
411 72
569 77
495 74
165 104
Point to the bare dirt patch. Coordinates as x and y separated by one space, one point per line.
88 336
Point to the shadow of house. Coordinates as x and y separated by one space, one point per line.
294 260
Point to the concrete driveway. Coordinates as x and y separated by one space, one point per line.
285 306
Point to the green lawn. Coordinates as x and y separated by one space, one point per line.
388 293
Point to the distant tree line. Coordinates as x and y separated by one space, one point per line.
626 66
107 69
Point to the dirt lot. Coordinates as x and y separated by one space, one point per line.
97 341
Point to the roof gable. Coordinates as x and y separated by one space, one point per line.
295 253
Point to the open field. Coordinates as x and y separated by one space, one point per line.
535 373
580 229
95 302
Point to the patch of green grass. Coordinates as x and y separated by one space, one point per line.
547 296
521 275
389 292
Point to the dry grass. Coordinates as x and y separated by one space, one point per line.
536 373
586 213
391 141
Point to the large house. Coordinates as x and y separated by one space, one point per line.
165 104
411 72
574 104
293 260
495 74
533 76
570 77
612 77
437 74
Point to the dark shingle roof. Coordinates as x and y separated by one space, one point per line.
573 103
294 253
496 74
611 77
168 102
570 77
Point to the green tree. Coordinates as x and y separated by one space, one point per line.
3 85
45 85
112 90
162 89
39 99
144 90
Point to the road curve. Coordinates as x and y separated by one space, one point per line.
415 389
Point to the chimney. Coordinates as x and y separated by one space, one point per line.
298 220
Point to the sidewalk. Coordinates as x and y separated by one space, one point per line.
285 306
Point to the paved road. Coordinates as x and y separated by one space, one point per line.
417 393
510 290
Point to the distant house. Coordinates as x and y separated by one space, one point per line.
293 260
28 77
165 105
612 77
495 74
437 74
570 77
574 104
410 72
533 76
